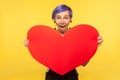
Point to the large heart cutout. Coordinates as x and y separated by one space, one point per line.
62 54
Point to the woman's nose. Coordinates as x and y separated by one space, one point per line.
62 20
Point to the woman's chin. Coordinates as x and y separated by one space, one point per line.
62 29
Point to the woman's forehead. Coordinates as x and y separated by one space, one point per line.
64 13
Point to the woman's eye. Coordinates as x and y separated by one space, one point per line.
57 17
65 17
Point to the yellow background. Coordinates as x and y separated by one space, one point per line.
18 16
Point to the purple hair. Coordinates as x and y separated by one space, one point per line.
61 8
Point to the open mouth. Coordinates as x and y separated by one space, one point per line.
62 26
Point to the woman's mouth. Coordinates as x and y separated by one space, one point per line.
62 26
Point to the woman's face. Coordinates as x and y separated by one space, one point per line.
62 21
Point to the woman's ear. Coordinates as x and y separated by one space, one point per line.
54 21
70 20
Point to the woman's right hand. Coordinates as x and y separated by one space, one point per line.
26 42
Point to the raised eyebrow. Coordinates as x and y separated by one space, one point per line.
60 16
67 15
57 15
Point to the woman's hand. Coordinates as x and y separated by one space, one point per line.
26 42
100 40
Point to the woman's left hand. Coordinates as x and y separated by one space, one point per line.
100 40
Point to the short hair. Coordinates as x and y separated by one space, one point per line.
61 8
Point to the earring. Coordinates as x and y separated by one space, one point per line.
55 27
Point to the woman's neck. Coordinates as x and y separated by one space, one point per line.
62 32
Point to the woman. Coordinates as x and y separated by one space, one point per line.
62 17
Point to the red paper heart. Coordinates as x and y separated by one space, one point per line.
62 54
